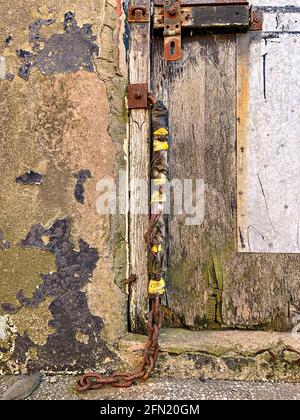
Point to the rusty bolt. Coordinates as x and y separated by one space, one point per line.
138 13
172 11
138 96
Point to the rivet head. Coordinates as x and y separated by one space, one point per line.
172 11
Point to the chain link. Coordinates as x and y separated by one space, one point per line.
94 381
156 267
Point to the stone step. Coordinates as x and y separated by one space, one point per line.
221 355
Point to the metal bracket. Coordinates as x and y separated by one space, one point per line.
172 29
137 96
175 16
256 20
138 14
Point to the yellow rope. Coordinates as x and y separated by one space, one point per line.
156 249
160 145
158 197
160 181
161 132
157 287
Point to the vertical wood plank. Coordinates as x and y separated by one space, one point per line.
200 93
139 152
210 284
243 96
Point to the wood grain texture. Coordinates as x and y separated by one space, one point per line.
210 284
243 97
200 93
139 173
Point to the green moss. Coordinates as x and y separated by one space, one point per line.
216 271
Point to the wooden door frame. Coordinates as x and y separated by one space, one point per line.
139 167
139 159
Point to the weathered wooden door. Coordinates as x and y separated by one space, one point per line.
200 92
214 95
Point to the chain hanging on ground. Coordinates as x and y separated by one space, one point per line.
156 240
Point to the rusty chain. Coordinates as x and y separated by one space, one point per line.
155 237
94 381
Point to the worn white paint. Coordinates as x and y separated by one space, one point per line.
281 22
2 68
271 222
275 3
3 328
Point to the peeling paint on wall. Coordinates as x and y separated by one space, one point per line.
69 308
30 178
58 124
66 52
38 330
81 177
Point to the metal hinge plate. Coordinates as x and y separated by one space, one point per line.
137 96
172 29
256 20
174 16
138 14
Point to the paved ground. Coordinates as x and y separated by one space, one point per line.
61 388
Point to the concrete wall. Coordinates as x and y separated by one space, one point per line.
62 129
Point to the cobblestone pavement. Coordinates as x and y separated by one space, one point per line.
62 388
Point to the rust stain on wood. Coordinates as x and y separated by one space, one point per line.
243 96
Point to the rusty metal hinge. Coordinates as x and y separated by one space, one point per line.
174 16
138 14
256 20
137 96
172 29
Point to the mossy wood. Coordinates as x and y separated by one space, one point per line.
210 284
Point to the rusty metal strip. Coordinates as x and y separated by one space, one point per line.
138 14
226 18
206 2
256 20
137 96
172 29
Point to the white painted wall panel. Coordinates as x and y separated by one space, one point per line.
275 3
281 22
271 223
